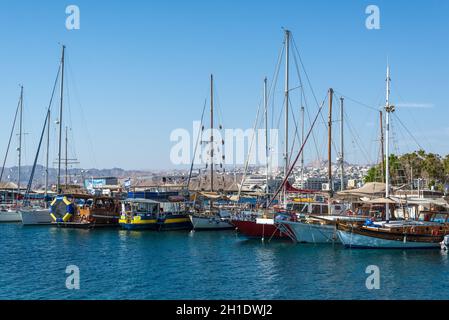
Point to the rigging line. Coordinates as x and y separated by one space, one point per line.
357 102
30 181
273 85
356 137
296 135
9 141
196 145
315 141
297 157
83 118
408 131
249 152
305 72
307 77
416 124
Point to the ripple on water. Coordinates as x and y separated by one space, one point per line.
118 264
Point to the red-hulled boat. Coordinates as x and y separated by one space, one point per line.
262 227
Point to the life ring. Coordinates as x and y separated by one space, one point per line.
61 209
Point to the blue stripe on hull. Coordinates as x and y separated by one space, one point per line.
134 226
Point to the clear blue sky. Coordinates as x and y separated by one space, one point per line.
141 68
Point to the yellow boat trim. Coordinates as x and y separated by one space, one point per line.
177 220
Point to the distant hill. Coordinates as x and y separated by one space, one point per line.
76 175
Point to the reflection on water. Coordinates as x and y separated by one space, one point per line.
120 264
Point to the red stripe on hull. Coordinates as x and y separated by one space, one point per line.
251 229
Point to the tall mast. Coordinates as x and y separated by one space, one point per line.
66 157
388 109
47 156
58 188
19 149
265 102
342 149
212 133
302 140
329 146
287 53
382 150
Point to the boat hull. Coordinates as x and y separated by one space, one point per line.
351 239
36 217
10 216
174 222
312 233
210 223
254 230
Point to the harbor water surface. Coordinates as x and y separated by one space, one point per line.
118 264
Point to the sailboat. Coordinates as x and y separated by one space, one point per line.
317 229
211 218
11 214
427 232
262 223
40 215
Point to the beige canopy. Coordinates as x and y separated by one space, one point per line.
382 201
370 189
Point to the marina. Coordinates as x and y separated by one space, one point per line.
267 167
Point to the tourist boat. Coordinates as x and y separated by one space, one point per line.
409 234
396 234
85 211
140 214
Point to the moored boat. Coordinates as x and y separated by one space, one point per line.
393 235
146 214
214 221
85 211
35 216
9 215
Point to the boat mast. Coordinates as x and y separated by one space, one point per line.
287 52
58 187
382 153
211 132
388 108
329 145
19 149
47 156
302 140
342 162
66 158
265 102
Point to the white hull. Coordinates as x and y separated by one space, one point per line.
36 217
353 240
210 223
9 216
312 233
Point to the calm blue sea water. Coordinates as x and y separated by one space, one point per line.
116 264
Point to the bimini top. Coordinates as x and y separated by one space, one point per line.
141 200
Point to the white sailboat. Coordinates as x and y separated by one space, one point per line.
212 218
41 215
11 214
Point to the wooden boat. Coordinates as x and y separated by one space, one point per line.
409 234
85 211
